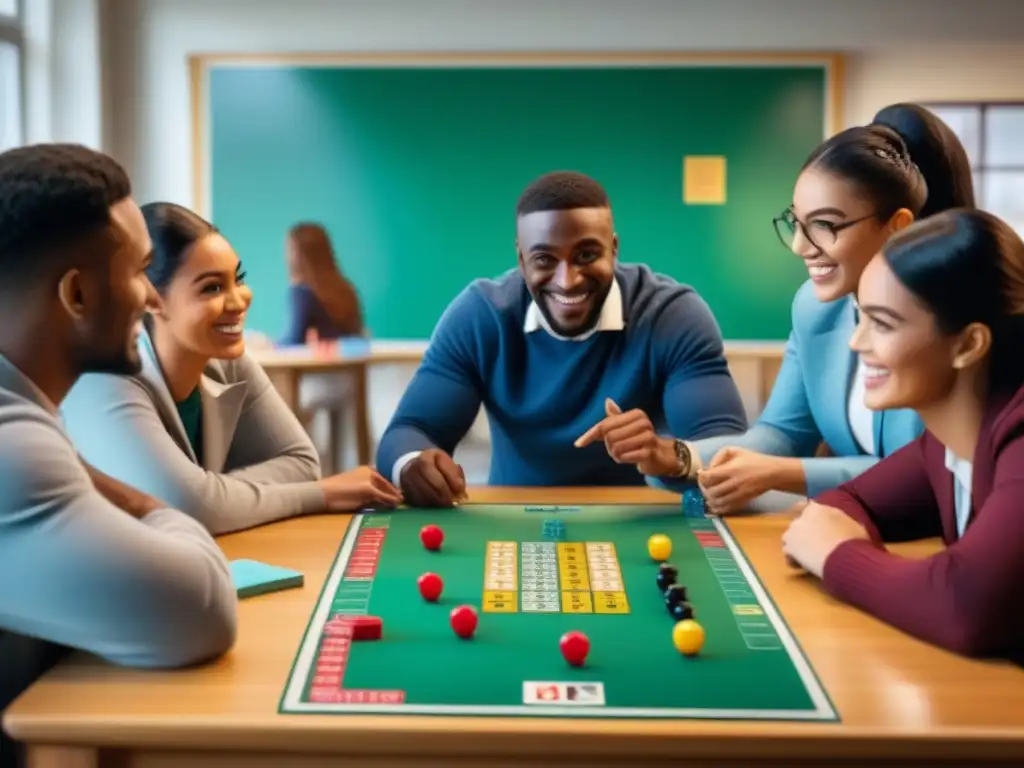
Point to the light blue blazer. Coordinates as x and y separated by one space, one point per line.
809 402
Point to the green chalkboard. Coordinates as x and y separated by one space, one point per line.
415 172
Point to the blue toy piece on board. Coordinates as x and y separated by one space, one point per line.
693 503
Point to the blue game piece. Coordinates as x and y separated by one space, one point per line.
693 503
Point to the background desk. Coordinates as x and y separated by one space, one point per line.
898 699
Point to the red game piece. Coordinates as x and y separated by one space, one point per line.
431 536
430 586
575 647
365 627
464 621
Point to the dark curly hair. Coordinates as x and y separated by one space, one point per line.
52 196
561 190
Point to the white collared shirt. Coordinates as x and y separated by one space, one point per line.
859 416
963 481
611 319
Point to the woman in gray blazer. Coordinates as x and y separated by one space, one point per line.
200 425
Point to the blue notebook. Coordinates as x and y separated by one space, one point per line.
254 578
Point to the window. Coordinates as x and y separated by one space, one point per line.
11 47
993 135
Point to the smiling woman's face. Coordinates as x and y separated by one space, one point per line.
836 231
205 303
910 362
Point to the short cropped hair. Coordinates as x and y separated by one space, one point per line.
51 196
560 191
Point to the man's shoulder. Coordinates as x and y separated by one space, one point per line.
648 296
34 448
505 294
488 303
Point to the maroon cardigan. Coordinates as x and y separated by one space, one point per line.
967 597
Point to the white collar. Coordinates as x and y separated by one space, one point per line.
611 318
961 468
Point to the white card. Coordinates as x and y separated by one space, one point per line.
564 694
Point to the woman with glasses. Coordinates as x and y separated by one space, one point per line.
856 190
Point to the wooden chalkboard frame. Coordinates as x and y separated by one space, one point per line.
201 64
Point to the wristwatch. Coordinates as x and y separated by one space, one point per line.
683 458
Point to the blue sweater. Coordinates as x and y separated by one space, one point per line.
541 393
305 312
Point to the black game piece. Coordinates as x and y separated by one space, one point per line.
676 593
667 575
681 611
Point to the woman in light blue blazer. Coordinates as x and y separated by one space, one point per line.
200 426
856 190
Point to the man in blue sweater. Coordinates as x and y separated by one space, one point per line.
569 340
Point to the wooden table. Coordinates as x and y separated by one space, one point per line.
286 368
900 700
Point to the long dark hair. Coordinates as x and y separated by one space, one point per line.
173 229
906 158
315 267
967 266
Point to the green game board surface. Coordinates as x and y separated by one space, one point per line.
750 666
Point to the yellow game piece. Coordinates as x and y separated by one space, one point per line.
688 637
660 547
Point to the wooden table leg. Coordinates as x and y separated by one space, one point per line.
361 407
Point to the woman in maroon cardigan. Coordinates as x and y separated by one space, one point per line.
942 329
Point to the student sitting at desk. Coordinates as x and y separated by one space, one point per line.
941 331
547 346
856 189
85 562
323 306
202 425
321 300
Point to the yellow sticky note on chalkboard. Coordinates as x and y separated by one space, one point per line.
704 180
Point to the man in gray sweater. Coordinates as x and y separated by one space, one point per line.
85 561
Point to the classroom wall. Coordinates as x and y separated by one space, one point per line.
904 49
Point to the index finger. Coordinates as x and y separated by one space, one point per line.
596 432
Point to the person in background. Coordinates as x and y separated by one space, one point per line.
855 191
941 331
321 301
323 306
86 562
552 347
202 425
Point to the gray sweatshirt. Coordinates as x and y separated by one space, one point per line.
78 572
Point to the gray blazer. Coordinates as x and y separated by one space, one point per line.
78 572
259 465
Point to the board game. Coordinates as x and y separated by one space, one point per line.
548 612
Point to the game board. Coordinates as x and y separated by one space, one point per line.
534 573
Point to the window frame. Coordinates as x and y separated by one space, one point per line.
12 32
983 109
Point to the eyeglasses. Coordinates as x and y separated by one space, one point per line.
825 232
